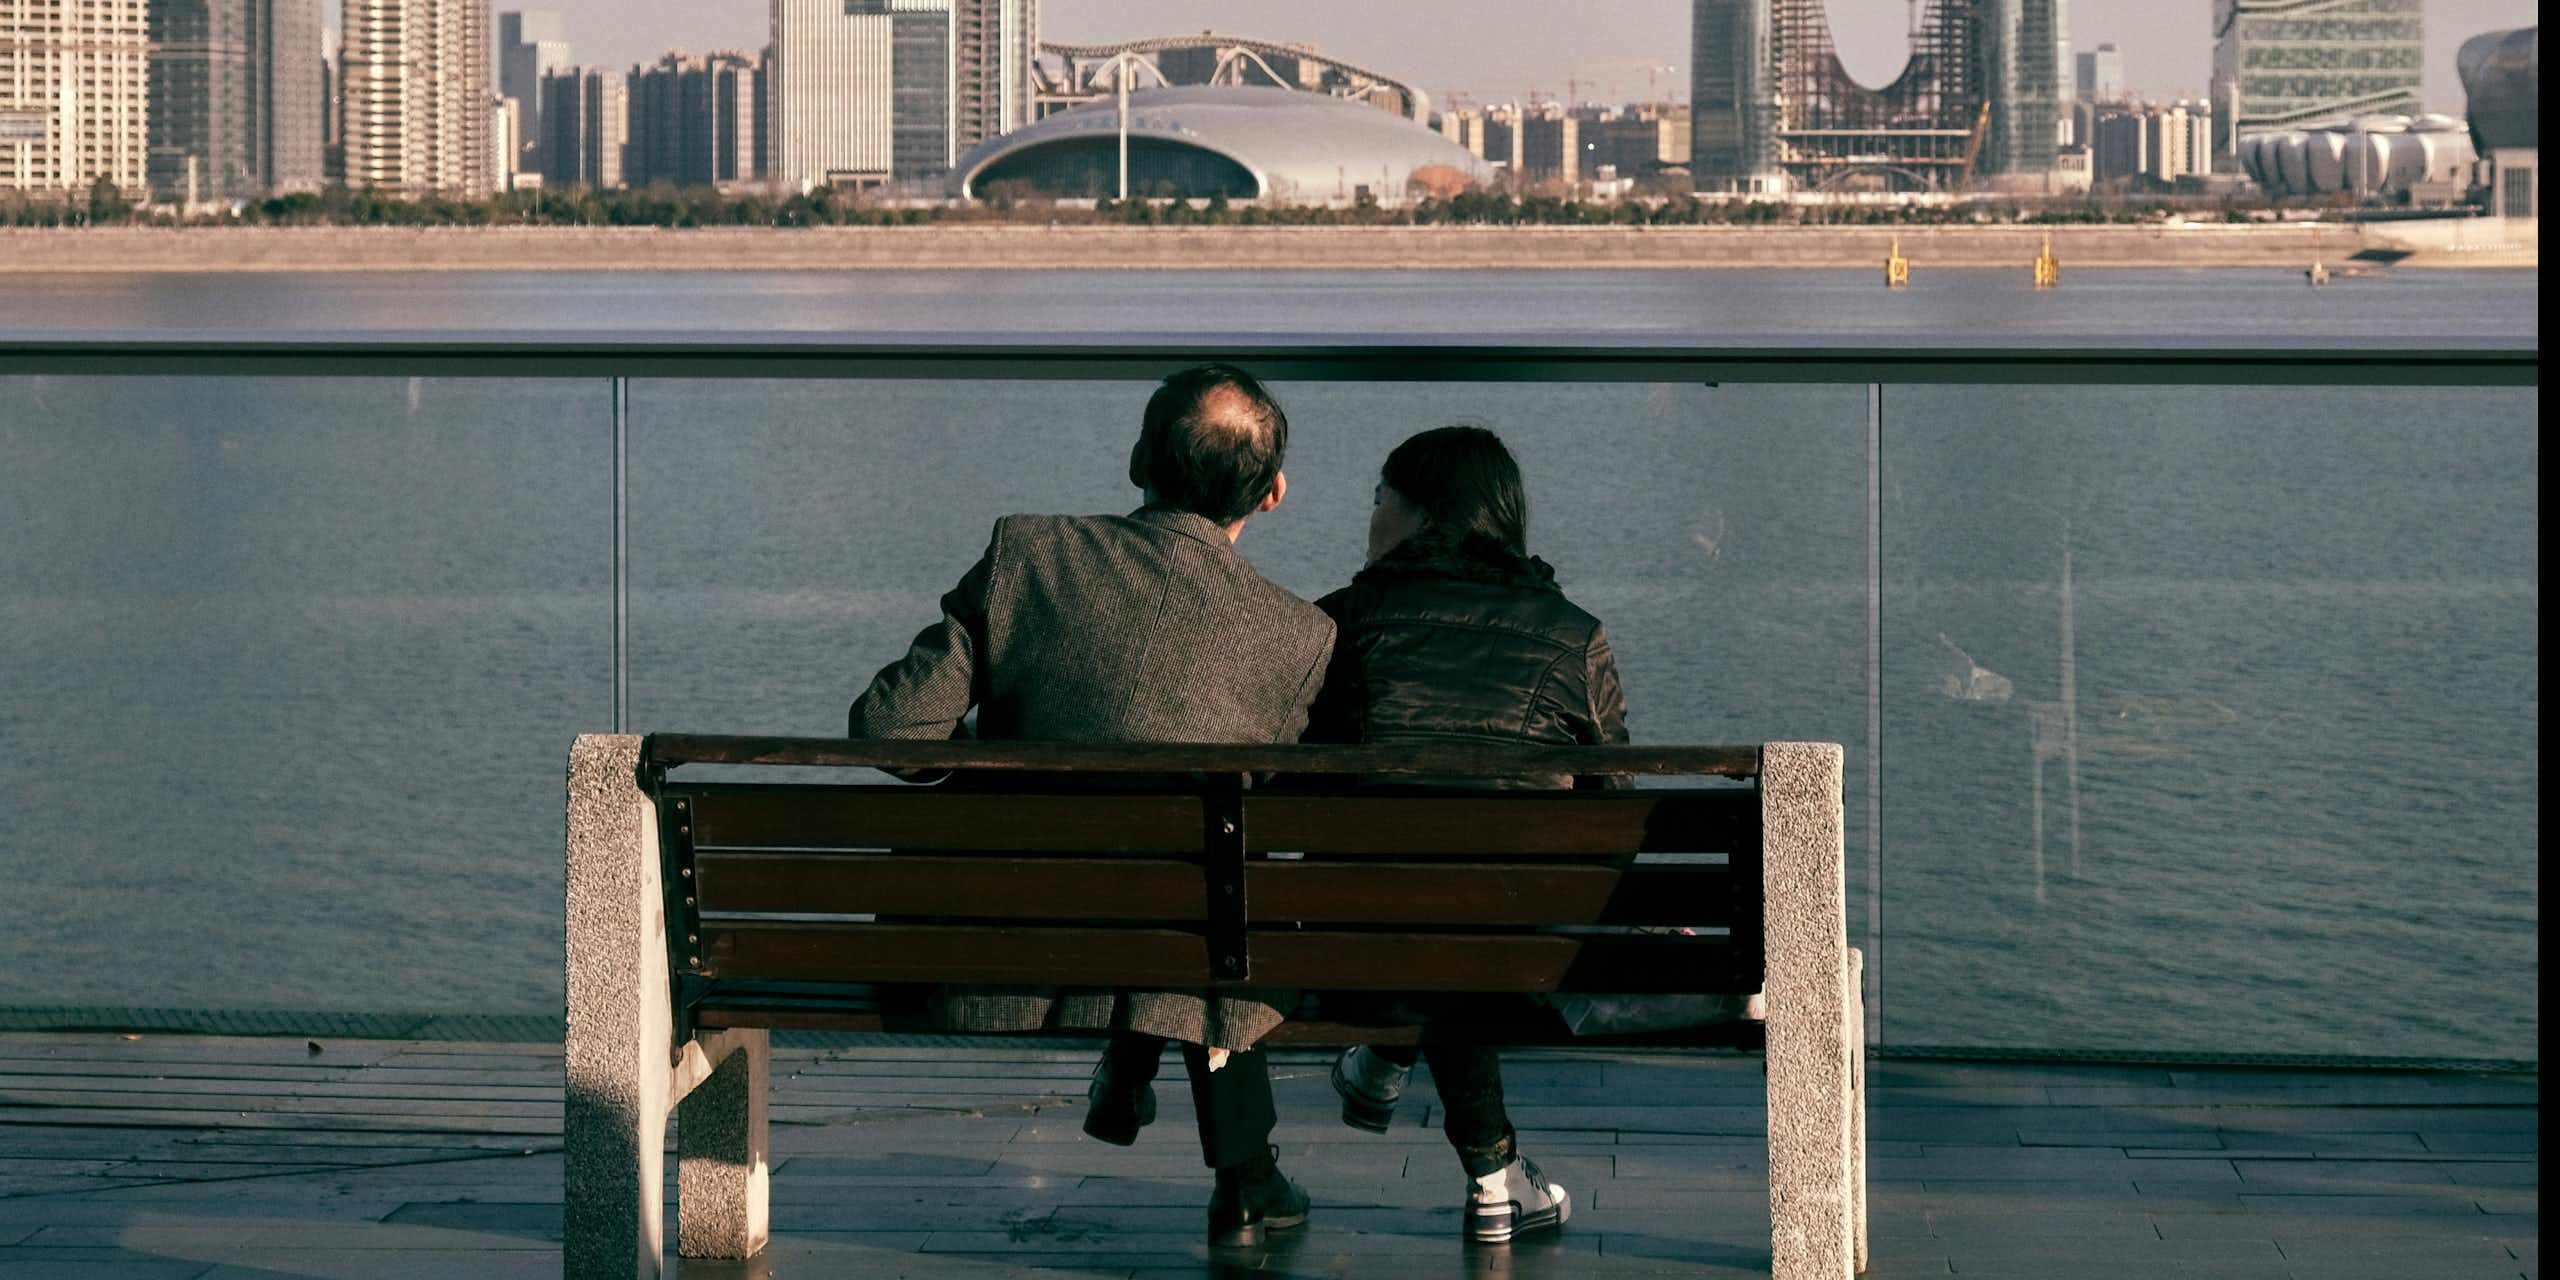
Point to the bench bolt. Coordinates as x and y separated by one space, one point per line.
1228 827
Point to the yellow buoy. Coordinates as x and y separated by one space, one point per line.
1897 269
2048 271
2318 274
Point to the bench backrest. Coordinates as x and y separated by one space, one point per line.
1180 871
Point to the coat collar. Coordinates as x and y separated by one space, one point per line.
1188 523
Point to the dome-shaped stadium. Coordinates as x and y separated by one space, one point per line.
2374 155
2502 75
1275 145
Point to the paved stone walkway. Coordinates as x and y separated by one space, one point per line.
219 1158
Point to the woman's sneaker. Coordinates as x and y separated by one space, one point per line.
1513 1199
1369 1086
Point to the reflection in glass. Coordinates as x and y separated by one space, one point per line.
292 665
2210 719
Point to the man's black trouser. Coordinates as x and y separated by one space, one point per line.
1234 1101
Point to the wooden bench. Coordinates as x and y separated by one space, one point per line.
703 913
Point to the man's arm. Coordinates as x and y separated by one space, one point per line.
926 693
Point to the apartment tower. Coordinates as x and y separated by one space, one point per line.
75 94
861 92
238 99
417 96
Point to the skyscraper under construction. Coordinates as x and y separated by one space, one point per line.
1773 110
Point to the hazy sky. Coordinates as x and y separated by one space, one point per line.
1494 50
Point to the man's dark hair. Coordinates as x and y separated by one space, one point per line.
1465 482
1211 443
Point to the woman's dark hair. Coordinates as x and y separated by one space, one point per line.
1465 483
1211 442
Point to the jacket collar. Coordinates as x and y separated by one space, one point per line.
1188 523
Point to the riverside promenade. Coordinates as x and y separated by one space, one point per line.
157 1156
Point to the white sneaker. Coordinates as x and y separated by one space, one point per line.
1513 1199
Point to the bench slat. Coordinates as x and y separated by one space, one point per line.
1171 958
924 818
669 750
1105 889
1550 823
716 1013
1527 822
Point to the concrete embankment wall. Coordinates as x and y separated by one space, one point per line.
1014 246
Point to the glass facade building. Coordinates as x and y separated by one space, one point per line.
2282 64
236 98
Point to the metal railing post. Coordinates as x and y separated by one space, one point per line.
621 555
1875 714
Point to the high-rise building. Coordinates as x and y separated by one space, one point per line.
1551 146
2281 64
993 45
237 98
532 43
587 115
417 96
333 111
2099 74
697 122
1772 109
2028 57
75 92
2159 143
860 91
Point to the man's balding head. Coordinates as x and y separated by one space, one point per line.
1211 444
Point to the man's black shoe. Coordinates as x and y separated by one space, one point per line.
1113 1112
1252 1199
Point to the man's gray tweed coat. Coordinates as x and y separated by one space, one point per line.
1139 628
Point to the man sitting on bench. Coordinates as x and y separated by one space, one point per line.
1139 628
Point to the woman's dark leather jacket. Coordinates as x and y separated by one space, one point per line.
1449 642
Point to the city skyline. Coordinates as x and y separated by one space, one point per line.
2167 47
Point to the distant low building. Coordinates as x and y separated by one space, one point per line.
1277 146
2501 77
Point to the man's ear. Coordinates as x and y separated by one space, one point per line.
1279 490
1137 464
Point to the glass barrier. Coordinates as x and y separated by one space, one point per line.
789 538
2210 719
292 668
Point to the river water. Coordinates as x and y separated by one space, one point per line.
292 664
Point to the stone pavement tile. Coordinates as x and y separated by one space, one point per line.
2359 1206
2292 1141
2019 1095
2503 1201
2251 1268
1705 1141
2452 1141
538 1221
375 1264
1733 1210
2428 1256
855 1213
2155 1189
2011 1196
169 1239
96 1264
2341 1177
2492 1174
1972 1227
2156 1139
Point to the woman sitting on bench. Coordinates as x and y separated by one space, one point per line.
1454 632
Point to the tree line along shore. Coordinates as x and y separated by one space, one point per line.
1120 247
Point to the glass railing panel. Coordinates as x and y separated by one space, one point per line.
2210 719
293 666
789 538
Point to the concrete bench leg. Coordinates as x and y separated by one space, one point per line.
721 1187
619 1079
1812 1054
